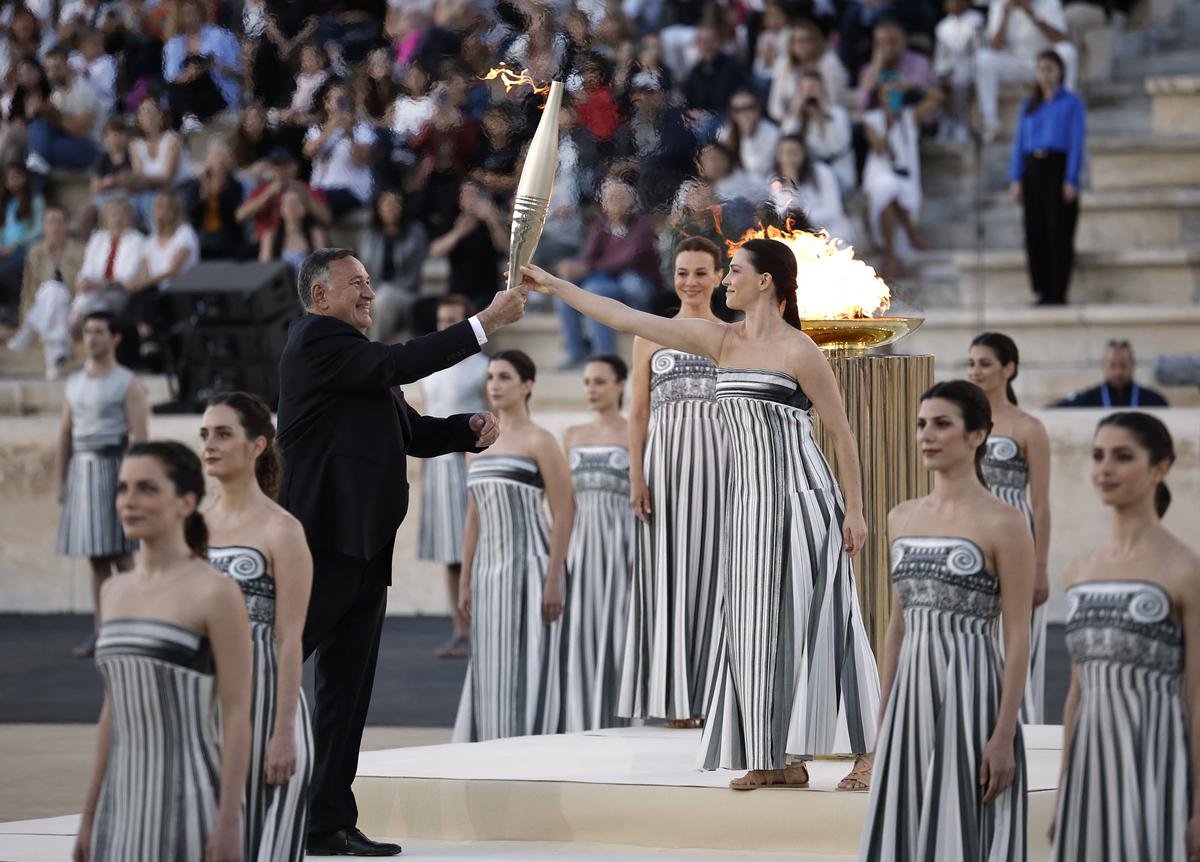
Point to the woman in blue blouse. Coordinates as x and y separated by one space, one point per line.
20 225
1046 160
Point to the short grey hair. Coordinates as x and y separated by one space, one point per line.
316 269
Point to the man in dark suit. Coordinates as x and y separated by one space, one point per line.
345 430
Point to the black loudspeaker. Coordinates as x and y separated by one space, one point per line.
228 324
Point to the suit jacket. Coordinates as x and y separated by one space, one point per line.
345 431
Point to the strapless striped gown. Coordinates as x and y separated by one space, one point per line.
795 674
158 802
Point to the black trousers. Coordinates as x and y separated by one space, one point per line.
1049 226
201 97
345 619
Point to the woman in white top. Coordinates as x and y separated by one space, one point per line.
750 135
825 128
158 157
806 52
171 249
340 149
803 183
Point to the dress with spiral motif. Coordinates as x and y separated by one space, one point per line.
158 802
795 676
1007 474
1127 788
599 559
516 676
926 800
276 815
673 603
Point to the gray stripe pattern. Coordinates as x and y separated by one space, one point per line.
159 796
795 676
1127 789
926 800
88 525
515 680
670 641
275 816
1007 474
443 509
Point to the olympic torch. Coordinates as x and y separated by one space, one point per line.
534 188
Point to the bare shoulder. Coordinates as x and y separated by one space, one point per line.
901 512
540 439
1000 521
1031 428
113 588
1074 571
282 527
644 348
573 433
1181 570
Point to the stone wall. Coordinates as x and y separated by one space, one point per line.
33 579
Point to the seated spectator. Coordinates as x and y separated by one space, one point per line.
857 20
112 260
314 72
806 184
771 46
414 106
212 201
21 210
253 141
648 58
159 157
807 53
171 250
596 108
1090 22
562 236
749 135
23 38
111 174
202 66
1119 388
263 203
1017 31
619 260
296 235
273 36
393 248
892 174
375 88
68 125
958 38
825 129
1047 158
446 151
717 166
340 149
23 100
97 67
892 62
711 83
499 153
474 244
405 27
52 264
658 145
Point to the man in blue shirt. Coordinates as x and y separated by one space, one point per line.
1118 388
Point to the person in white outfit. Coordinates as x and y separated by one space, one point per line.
749 135
957 40
825 128
112 260
1017 31
809 185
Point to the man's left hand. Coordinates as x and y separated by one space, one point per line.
486 427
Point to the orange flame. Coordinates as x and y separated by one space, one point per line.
833 284
511 79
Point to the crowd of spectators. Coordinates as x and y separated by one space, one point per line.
311 116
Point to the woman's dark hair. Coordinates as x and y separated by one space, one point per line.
805 174
730 154
1035 95
1152 435
24 198
771 257
1006 353
308 224
183 468
619 369
247 150
701 244
376 220
521 363
976 412
255 418
318 99
734 141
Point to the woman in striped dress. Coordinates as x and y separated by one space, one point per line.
1130 752
675 441
794 676
257 543
514 584
601 547
1017 468
167 783
950 779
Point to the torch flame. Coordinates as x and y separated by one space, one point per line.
511 79
833 284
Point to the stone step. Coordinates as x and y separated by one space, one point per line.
1174 104
1141 161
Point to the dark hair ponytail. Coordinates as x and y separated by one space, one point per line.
255 418
183 468
1152 435
1006 354
771 257
521 363
976 413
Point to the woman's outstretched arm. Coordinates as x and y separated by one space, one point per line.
703 337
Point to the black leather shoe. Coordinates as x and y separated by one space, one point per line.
347 842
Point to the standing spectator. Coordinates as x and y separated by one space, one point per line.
807 52
253 142
958 38
279 175
1047 157
893 61
658 145
474 244
750 136
806 184
825 128
710 83
619 260
296 234
1018 31
340 149
202 66
97 67
393 249
67 127
212 201
1119 389
51 265
160 160
21 211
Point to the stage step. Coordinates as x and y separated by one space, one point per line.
1140 161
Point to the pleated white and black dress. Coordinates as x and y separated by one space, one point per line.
276 815
516 677
89 526
599 562
926 800
158 801
1007 474
1127 788
669 646
795 674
